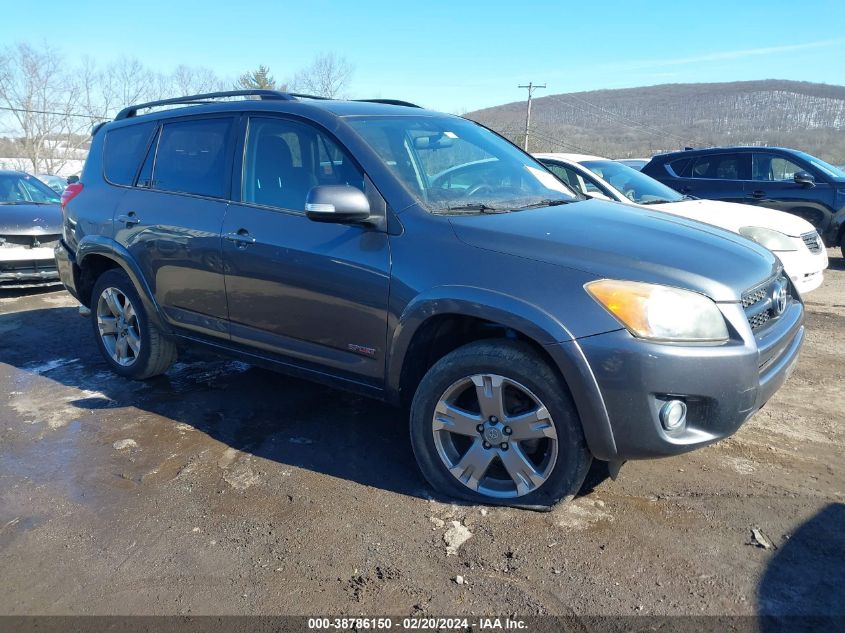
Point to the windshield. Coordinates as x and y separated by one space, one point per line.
834 172
635 185
23 189
456 166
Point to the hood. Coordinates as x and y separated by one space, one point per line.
618 241
733 216
30 219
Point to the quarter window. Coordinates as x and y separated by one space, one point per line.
285 159
772 168
192 157
124 150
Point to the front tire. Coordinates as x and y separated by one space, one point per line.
130 344
492 422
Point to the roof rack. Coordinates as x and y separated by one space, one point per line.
270 95
132 110
390 102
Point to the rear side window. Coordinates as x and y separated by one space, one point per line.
193 157
125 147
721 167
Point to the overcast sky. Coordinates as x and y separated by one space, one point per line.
456 56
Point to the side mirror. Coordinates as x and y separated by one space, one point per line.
72 179
339 204
804 179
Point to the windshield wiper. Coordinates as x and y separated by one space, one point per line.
544 203
655 202
480 207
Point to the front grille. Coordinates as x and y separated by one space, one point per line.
34 266
813 241
29 241
750 298
759 302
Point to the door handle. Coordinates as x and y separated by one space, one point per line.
757 194
241 238
129 218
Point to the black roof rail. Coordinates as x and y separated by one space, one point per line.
300 95
132 110
397 102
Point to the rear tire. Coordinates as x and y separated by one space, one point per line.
492 422
130 344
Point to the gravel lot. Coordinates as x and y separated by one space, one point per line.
226 489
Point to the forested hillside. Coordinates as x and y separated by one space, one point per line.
642 121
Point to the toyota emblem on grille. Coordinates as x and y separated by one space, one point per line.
779 298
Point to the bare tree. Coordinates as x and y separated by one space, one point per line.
327 76
44 100
186 80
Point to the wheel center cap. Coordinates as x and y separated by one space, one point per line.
493 435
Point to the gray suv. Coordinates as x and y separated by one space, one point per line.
528 330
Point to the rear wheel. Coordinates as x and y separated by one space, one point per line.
131 345
492 422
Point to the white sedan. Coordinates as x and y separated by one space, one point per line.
794 240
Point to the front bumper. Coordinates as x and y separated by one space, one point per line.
805 269
27 268
722 385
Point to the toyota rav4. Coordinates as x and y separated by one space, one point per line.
527 329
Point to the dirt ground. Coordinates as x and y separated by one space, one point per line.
226 489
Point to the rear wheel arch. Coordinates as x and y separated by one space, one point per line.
95 256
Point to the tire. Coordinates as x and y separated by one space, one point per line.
540 429
145 352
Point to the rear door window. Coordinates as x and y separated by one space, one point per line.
721 167
194 157
124 149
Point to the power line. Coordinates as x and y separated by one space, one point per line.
73 114
623 118
531 88
619 120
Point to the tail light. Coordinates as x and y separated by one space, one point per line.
70 192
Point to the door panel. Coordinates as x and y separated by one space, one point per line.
176 241
315 292
717 177
311 290
174 235
773 187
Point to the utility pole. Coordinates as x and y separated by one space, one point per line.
531 88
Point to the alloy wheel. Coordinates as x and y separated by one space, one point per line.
495 436
117 323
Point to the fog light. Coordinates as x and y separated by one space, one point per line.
673 415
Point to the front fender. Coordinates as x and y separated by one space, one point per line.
507 310
107 247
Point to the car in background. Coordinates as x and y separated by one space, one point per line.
773 177
634 163
792 239
30 228
56 183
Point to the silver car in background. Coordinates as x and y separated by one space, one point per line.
30 227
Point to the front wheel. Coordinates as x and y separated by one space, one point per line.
492 422
131 345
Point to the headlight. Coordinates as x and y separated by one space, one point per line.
660 312
771 239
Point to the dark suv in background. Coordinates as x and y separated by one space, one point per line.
527 329
773 177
